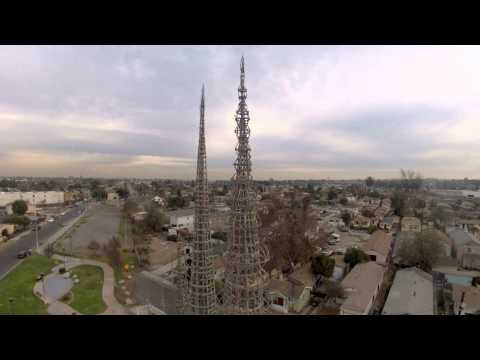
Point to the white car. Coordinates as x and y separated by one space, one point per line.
326 252
51 220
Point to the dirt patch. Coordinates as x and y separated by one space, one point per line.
162 252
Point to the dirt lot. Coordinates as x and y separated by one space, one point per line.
99 224
163 251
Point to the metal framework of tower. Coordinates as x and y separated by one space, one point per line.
203 300
183 274
244 274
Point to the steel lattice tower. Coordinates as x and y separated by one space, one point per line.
244 275
183 275
203 300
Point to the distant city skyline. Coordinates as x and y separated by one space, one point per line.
318 112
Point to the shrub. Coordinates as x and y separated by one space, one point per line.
323 265
94 245
353 256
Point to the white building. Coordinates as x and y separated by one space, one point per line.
112 196
33 197
159 200
182 218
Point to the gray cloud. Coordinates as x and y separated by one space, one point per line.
119 103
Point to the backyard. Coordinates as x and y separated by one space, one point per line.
18 286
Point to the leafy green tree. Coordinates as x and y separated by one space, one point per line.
323 265
5 232
369 181
154 219
399 203
346 217
99 193
20 220
423 251
332 194
439 215
344 201
122 193
19 207
354 256
372 228
176 202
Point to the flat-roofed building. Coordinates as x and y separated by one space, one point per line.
33 197
411 223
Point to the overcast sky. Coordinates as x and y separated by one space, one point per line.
316 111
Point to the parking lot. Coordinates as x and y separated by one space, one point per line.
340 241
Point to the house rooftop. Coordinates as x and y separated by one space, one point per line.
285 287
410 219
411 293
460 237
182 212
363 281
379 241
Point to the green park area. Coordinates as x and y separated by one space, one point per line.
18 286
86 296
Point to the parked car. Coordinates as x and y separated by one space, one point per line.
24 254
326 252
51 220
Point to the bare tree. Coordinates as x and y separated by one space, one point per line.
423 251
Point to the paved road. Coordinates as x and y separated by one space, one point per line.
9 251
151 289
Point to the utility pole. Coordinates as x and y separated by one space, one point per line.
36 222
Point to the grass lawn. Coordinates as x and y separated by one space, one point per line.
87 294
19 283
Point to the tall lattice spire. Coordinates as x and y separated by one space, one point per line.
244 275
202 284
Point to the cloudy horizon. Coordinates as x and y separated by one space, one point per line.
317 112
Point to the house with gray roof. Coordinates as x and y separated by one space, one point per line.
411 294
461 240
